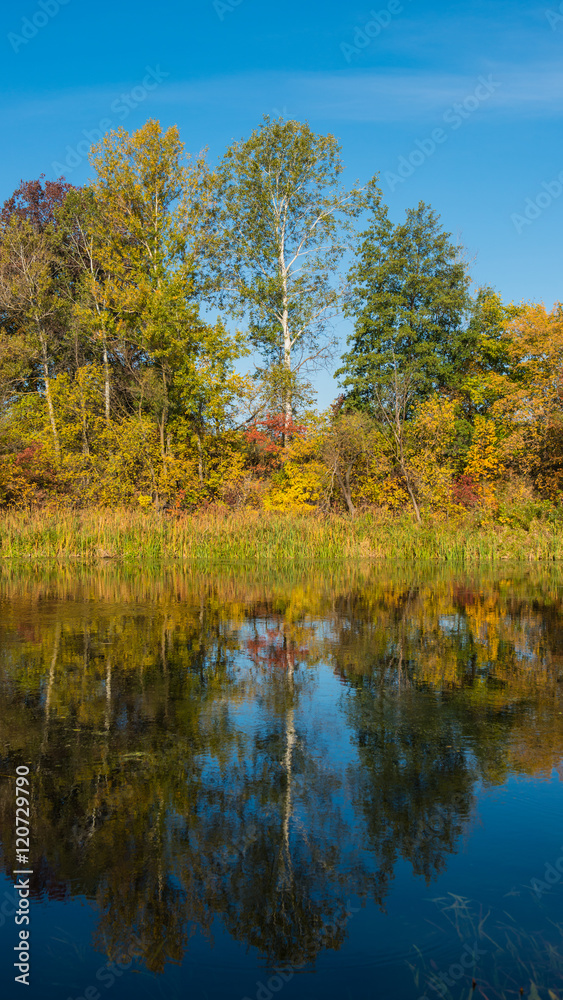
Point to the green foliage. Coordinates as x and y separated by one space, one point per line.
120 383
408 296
279 238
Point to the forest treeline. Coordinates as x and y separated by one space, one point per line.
128 306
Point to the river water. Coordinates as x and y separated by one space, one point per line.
250 784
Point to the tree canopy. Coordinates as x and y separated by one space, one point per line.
160 328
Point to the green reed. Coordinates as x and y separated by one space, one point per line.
252 536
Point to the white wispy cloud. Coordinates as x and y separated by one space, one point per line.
359 95
394 96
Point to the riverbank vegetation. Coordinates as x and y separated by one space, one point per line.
128 308
270 538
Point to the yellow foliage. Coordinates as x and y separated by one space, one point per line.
433 425
298 486
431 436
529 408
485 463
484 460
388 492
15 488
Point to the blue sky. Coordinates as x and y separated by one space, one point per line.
385 78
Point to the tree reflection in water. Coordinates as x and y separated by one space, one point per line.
179 779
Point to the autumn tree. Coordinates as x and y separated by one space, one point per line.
31 264
529 403
28 296
408 295
37 202
347 441
282 225
483 358
146 240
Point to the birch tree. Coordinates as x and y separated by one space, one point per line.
91 294
28 296
283 223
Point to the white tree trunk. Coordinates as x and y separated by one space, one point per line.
287 406
49 398
106 379
285 871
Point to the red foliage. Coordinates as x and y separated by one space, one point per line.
26 457
35 470
266 438
464 598
36 201
273 651
336 407
465 491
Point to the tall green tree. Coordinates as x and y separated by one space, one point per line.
282 224
408 294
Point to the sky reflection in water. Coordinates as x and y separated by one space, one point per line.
352 778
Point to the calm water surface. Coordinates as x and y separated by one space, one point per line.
336 785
